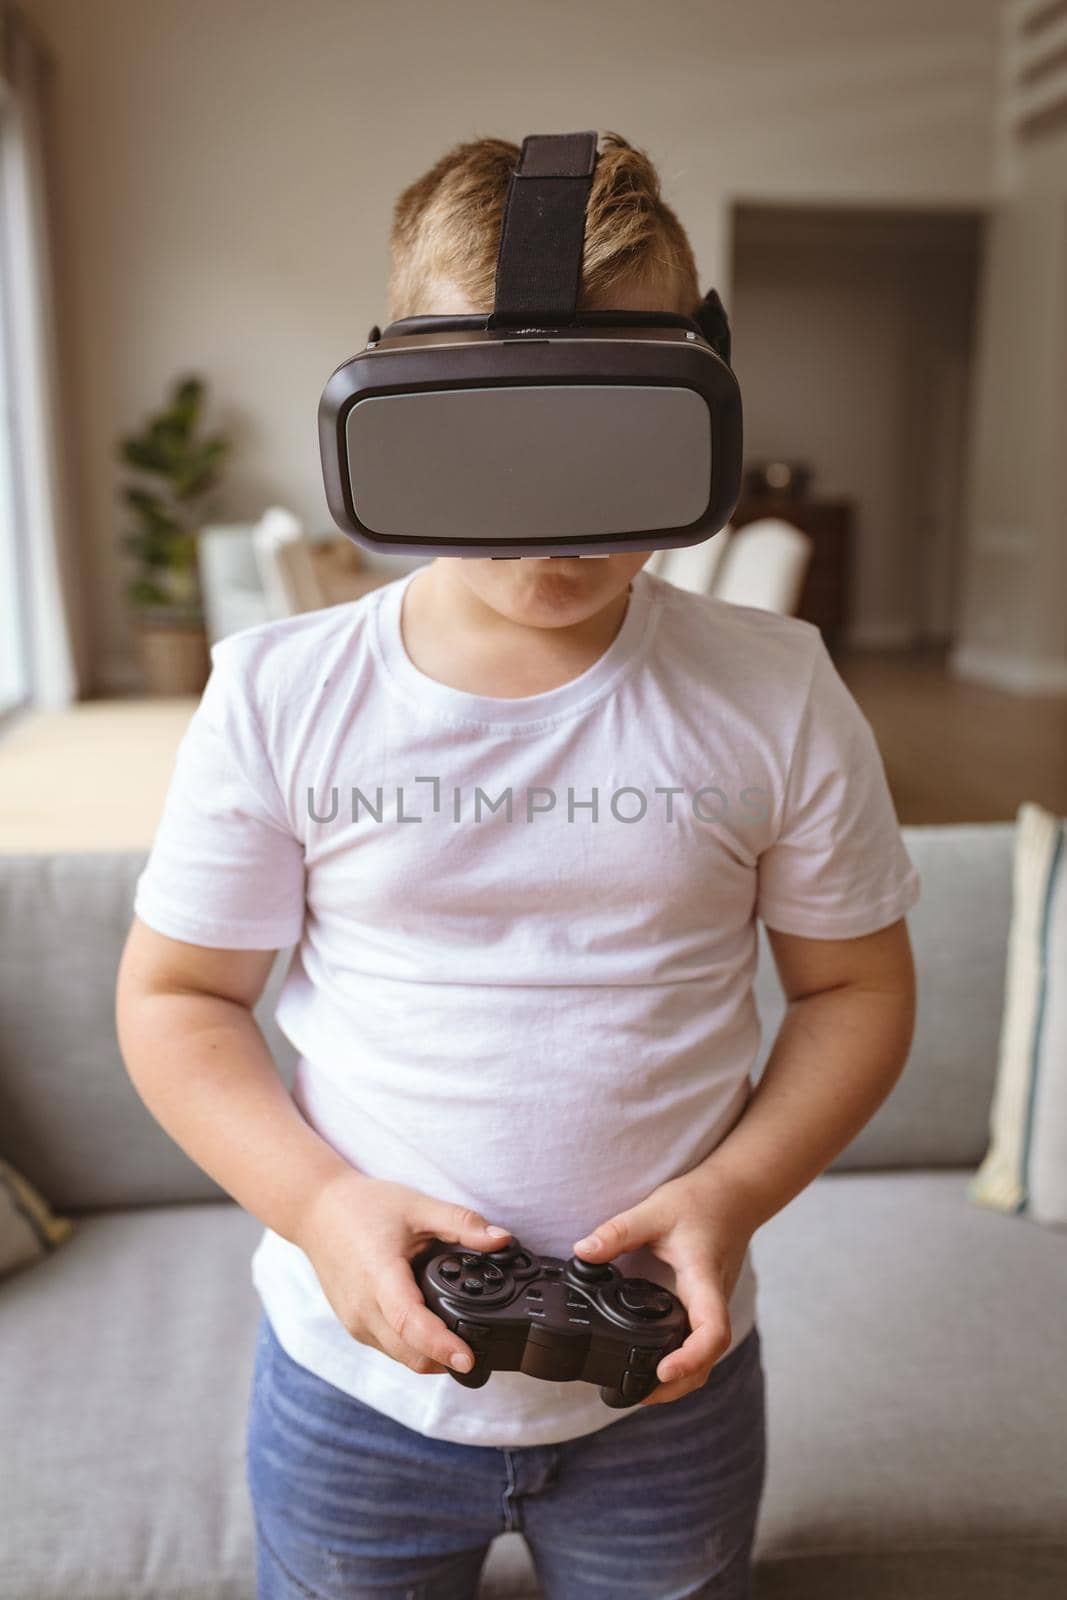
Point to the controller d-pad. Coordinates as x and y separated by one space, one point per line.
644 1299
471 1274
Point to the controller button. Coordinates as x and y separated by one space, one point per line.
633 1296
644 1299
491 1274
469 1260
473 1285
522 1261
535 1294
642 1360
449 1268
634 1386
476 1336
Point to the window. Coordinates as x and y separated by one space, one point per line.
14 674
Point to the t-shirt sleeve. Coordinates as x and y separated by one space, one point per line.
226 869
838 867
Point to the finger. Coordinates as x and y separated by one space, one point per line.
709 1339
665 1392
380 1336
453 1223
413 1328
624 1231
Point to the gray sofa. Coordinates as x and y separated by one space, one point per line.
916 1346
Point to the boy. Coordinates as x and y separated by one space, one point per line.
519 819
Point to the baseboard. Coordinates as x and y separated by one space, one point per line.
1002 669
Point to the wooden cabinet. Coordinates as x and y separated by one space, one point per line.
829 524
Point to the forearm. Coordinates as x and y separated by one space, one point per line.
203 1069
835 1058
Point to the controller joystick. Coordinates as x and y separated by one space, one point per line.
589 1271
552 1319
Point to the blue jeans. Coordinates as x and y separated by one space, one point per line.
660 1504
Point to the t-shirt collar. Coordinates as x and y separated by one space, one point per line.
524 711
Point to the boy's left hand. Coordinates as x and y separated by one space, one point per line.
679 1223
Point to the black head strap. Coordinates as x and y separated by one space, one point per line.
710 317
539 265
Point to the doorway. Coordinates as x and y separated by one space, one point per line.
853 342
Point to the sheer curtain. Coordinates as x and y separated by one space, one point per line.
42 522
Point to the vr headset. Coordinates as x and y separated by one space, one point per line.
537 430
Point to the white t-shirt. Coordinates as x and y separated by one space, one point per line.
543 1015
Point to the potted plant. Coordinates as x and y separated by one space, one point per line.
177 470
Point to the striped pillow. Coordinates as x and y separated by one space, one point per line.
28 1227
1025 1168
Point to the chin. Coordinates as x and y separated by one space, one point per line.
549 593
552 592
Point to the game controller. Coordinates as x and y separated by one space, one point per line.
552 1319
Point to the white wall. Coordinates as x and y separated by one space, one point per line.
1014 631
227 170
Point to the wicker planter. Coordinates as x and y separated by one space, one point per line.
173 654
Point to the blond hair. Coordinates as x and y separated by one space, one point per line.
446 229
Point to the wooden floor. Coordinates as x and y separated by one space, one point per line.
91 778
955 751
94 777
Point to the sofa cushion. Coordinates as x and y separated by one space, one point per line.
915 1349
73 1123
125 1361
124 1367
71 1120
938 1113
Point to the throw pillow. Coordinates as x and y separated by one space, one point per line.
29 1229
1025 1168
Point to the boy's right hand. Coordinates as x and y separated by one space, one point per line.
360 1237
